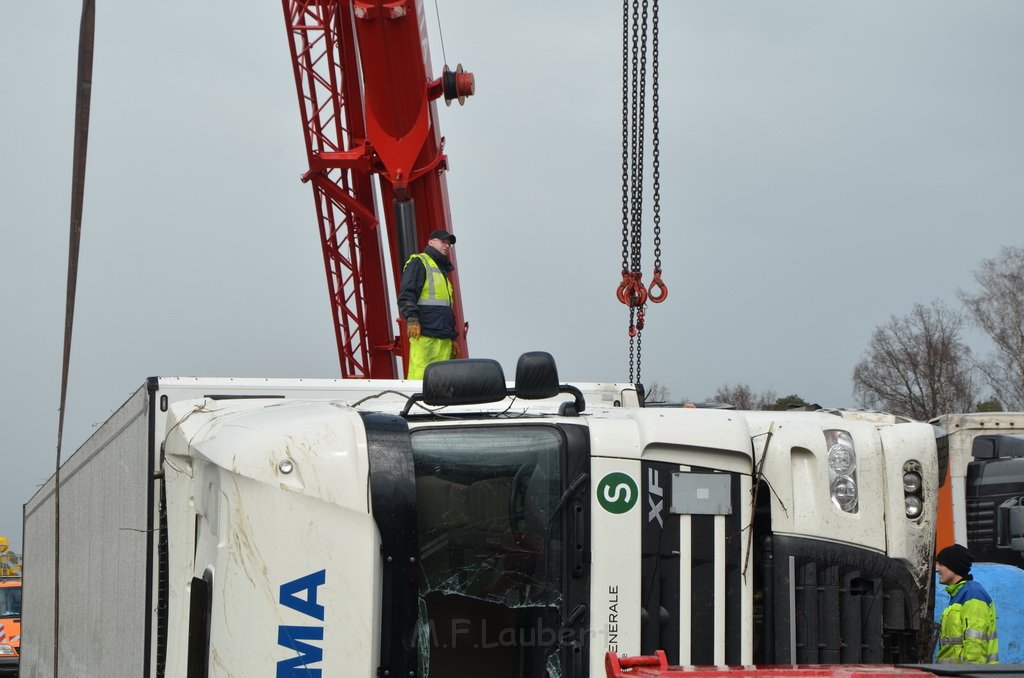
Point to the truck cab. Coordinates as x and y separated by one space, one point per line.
982 498
468 524
10 625
452 531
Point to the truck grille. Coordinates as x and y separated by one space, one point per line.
691 592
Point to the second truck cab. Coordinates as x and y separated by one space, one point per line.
10 624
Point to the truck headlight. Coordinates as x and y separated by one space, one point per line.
841 459
844 494
5 648
911 482
842 469
913 505
913 490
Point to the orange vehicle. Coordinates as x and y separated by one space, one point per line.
10 625
10 610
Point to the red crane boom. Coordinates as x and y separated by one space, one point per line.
368 109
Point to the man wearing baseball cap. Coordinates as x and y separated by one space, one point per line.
967 633
425 303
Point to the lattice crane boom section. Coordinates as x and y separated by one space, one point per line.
321 39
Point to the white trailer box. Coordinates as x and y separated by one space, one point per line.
107 547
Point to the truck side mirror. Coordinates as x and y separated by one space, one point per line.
536 376
463 382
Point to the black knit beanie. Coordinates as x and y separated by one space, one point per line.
956 558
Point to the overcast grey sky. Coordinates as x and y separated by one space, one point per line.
824 166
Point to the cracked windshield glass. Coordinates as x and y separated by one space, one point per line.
490 549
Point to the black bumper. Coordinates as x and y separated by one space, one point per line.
9 666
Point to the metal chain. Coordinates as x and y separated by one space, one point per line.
656 152
639 343
636 131
632 344
640 108
625 136
635 31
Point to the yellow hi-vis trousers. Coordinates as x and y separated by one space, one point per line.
426 350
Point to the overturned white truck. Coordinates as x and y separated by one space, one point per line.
236 527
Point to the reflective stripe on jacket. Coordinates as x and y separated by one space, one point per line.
436 291
968 630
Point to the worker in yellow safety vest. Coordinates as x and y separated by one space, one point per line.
425 303
9 561
967 633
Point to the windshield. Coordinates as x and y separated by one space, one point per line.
10 601
491 596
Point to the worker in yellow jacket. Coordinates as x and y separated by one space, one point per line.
967 633
425 303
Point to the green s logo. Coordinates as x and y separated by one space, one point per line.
617 492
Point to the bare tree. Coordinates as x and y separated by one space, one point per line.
917 366
743 397
999 310
658 393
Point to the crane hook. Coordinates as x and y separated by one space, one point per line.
658 291
631 290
